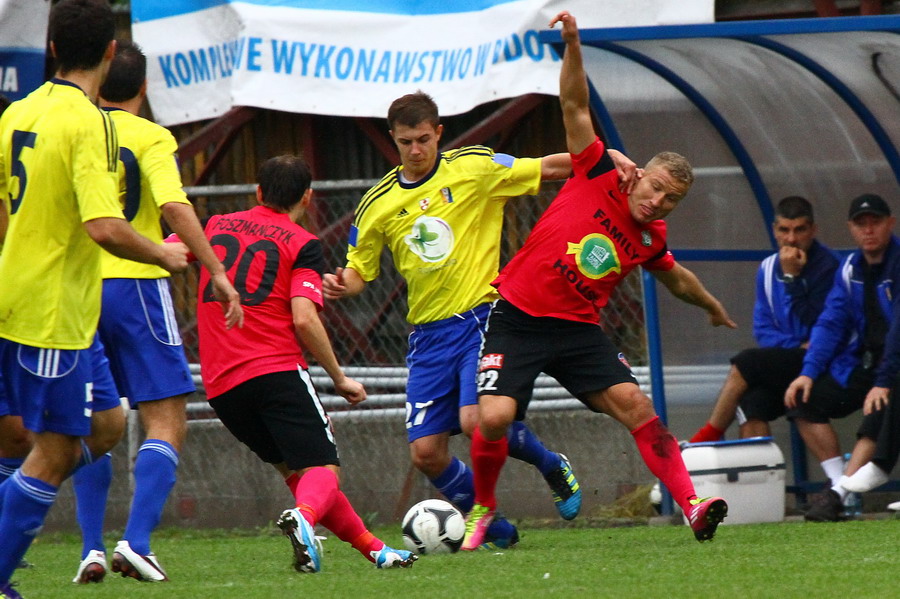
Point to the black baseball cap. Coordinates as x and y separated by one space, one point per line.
868 203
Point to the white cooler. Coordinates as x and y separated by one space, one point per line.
747 473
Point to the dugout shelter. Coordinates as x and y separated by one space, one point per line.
763 110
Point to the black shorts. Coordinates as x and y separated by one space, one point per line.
828 399
518 347
279 416
768 371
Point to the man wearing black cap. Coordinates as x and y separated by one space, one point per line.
854 349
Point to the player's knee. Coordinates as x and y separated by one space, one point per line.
631 407
15 439
495 425
496 414
429 460
16 446
735 375
107 430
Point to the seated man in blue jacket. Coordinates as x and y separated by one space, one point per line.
791 286
853 349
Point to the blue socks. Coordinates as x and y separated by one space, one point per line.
455 483
26 501
154 477
8 466
524 445
91 484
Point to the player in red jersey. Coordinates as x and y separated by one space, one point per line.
256 377
552 291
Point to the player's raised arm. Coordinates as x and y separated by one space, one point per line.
573 88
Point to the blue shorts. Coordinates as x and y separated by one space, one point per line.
49 388
138 328
104 391
443 364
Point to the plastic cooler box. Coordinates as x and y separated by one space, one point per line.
747 473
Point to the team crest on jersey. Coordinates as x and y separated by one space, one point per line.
646 239
595 256
431 239
448 195
424 203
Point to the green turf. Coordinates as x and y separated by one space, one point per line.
849 559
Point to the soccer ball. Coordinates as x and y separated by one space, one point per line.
433 526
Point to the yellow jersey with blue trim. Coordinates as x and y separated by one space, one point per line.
148 178
57 170
443 231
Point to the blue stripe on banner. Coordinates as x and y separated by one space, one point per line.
148 10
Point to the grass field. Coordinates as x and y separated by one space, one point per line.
848 559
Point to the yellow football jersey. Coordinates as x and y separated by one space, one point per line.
57 170
443 231
148 178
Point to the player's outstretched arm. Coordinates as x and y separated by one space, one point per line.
345 282
313 337
573 88
117 237
555 167
684 284
183 221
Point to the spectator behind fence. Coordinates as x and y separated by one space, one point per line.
852 350
552 293
791 286
441 214
58 163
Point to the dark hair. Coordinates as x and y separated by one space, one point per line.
283 181
126 73
4 102
81 31
412 109
793 207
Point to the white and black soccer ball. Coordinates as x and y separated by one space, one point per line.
433 526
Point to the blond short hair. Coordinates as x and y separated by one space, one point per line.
676 164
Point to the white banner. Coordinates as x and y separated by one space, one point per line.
353 57
23 35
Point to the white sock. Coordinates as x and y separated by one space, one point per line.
840 489
866 478
834 469
894 506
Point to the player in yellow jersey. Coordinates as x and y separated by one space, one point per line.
58 181
441 214
138 328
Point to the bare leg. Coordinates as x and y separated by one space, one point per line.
755 428
726 406
820 438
